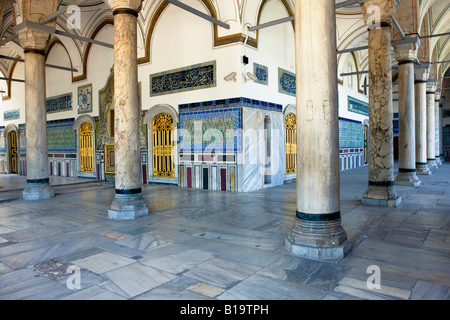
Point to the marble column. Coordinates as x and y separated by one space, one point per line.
420 84
437 130
441 132
431 132
128 202
317 232
378 17
35 44
405 55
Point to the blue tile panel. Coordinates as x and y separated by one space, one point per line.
262 73
214 125
395 124
230 103
61 136
85 99
446 136
351 133
22 138
59 103
287 82
11 114
222 115
358 106
199 76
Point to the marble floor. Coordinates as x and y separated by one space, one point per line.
212 245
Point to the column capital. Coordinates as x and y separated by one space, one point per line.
378 13
421 74
33 40
128 5
438 96
431 87
406 52
32 11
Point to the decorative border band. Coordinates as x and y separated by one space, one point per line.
129 191
318 217
38 181
381 183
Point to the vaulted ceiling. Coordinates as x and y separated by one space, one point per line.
430 17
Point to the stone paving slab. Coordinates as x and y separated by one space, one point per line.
198 245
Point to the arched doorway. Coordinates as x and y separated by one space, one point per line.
13 152
163 146
291 143
86 141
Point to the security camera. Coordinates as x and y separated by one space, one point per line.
231 77
251 76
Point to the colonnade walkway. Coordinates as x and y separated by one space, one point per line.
199 244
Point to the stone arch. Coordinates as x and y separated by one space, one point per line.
218 41
285 5
94 33
290 108
56 41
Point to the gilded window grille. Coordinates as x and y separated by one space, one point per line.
163 146
13 151
291 143
86 148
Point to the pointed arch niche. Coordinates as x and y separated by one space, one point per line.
290 142
162 152
85 128
11 135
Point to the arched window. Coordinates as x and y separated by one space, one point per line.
86 148
163 145
291 143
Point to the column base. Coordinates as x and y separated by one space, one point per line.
422 169
126 207
438 161
432 165
407 179
38 191
382 196
320 240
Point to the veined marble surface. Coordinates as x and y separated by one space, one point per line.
255 154
204 244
